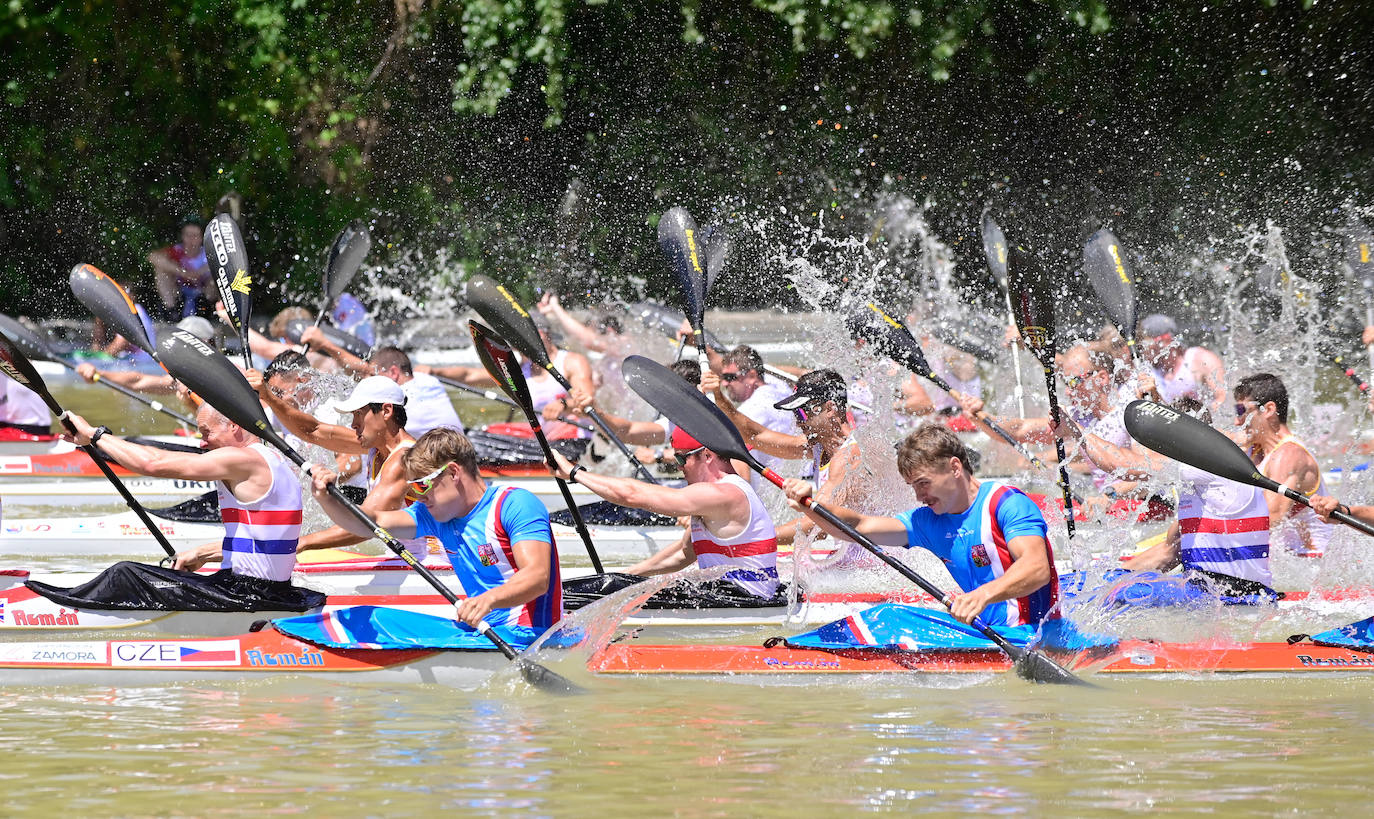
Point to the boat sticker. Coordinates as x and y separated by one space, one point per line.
62 653
14 466
284 658
171 653
63 617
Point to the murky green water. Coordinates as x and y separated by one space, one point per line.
694 748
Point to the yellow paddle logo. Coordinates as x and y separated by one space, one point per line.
1036 336
1120 268
500 288
1364 253
692 250
242 282
885 317
1001 253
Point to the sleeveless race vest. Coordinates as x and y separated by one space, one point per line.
260 536
754 551
544 391
1224 527
418 546
1302 532
1034 607
544 610
821 472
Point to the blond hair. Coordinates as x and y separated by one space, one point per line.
436 448
930 446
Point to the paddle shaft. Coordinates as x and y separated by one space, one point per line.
99 458
1368 322
1360 383
1299 498
1020 448
1016 653
604 427
578 522
1055 416
1020 390
151 403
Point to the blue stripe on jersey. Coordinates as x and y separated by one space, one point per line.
263 547
1222 554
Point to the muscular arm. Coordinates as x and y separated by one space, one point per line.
303 425
667 560
398 522
472 376
388 494
706 500
1294 468
883 531
772 442
530 580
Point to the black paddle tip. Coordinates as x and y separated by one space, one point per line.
550 681
1037 668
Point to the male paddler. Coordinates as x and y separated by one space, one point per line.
498 538
259 501
377 433
729 525
991 537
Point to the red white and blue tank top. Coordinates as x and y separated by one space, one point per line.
753 552
260 536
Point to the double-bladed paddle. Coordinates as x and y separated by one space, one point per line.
1359 255
704 421
499 360
677 237
1104 262
221 384
1176 435
894 340
995 249
512 323
18 367
346 255
1034 313
35 347
228 259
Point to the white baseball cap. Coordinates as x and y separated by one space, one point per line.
375 389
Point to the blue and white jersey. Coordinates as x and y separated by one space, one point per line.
479 546
973 546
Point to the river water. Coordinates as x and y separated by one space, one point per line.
689 747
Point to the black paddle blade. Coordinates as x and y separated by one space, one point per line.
1032 302
995 248
1188 440
499 360
17 366
670 394
229 263
677 237
667 320
504 315
717 248
108 302
1359 254
961 339
547 679
345 257
348 342
29 342
1036 667
1104 262
210 375
891 338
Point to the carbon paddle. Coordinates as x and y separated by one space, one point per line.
18 367
1034 313
35 347
212 375
894 340
512 323
995 249
346 255
499 360
1360 257
704 421
1188 440
677 237
229 263
1104 262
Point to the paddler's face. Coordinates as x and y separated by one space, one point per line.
938 487
215 430
369 423
739 384
443 498
191 239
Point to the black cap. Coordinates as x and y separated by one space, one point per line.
817 385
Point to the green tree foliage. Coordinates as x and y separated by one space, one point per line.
461 123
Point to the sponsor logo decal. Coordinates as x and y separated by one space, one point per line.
242 282
1348 661
62 653
63 617
285 658
156 653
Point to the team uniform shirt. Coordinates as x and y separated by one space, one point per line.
1302 532
1185 380
973 546
753 552
544 390
350 316
941 399
22 407
260 536
427 405
480 548
1223 526
1110 427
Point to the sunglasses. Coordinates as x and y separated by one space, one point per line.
420 487
729 377
681 457
802 413
1242 410
1073 380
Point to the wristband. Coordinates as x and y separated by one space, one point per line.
572 473
99 431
